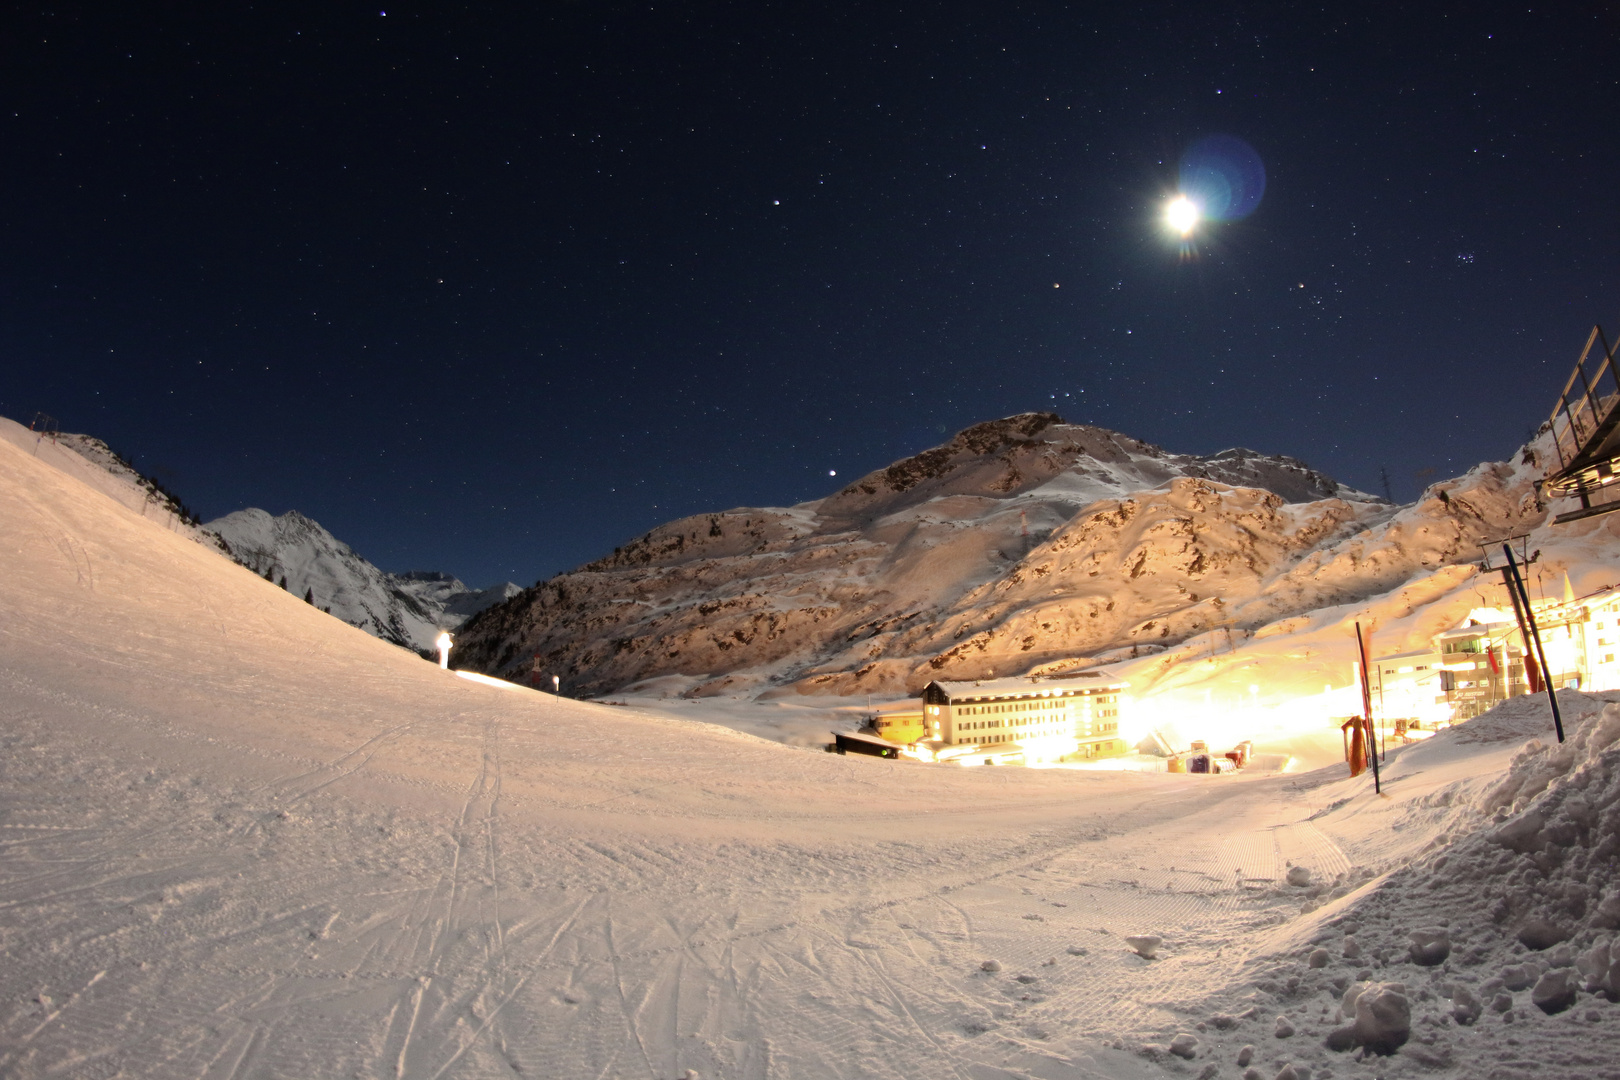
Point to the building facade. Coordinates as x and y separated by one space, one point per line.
1407 686
1480 665
904 726
1475 666
1074 718
1602 634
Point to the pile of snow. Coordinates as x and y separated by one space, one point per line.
408 609
1493 953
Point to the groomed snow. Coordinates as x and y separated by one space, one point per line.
240 838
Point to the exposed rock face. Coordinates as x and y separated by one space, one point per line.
1018 545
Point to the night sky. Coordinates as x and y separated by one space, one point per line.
492 293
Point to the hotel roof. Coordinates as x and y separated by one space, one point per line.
1022 686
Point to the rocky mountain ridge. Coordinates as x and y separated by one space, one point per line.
1022 544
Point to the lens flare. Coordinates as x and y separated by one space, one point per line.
1182 215
1225 176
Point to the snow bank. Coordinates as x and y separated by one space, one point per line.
1493 953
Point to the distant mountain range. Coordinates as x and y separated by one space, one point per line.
1022 544
408 609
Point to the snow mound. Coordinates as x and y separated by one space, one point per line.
1499 945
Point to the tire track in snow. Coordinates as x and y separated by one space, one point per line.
626 1011
475 836
427 959
953 1060
25 1040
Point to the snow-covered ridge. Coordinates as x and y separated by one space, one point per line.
97 465
408 609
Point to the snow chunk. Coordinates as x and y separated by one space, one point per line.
1145 945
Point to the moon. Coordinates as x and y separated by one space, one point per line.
1182 215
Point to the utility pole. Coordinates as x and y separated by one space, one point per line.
1535 634
1529 633
1366 713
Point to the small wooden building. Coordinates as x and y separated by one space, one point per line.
859 742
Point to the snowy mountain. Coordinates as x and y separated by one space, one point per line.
407 609
1020 542
1028 545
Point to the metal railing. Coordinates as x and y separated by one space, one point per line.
1587 411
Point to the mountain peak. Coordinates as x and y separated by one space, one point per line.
408 609
1025 536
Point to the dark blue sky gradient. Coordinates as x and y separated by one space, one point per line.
494 292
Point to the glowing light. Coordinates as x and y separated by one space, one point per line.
443 643
499 684
1182 215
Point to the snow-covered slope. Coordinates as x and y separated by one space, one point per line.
407 609
94 463
241 838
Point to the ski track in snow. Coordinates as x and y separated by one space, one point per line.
446 978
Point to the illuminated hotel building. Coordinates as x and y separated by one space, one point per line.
1076 717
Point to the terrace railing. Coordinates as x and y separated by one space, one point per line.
1584 423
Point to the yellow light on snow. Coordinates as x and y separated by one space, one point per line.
1181 215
